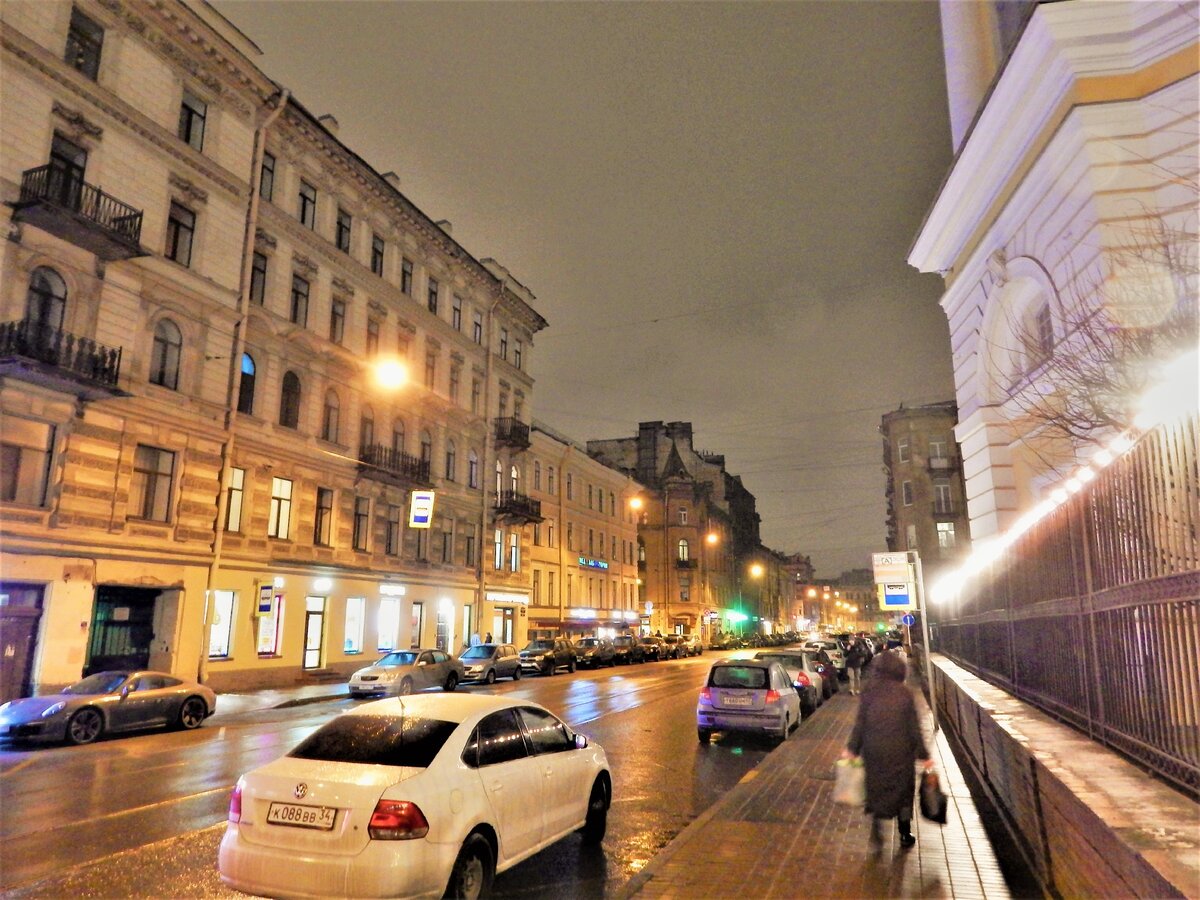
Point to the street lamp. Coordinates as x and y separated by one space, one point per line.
390 374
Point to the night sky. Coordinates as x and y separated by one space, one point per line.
712 203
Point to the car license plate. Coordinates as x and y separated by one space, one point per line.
301 816
738 700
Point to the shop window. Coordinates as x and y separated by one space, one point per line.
388 623
270 628
220 626
355 619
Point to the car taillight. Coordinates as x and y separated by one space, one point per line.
397 820
802 680
772 696
235 804
706 695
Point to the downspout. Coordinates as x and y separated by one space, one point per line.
489 443
564 568
234 381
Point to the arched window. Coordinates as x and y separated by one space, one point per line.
46 302
164 355
537 475
366 428
641 552
426 448
289 401
499 478
473 469
683 550
246 388
514 479
451 460
330 413
398 436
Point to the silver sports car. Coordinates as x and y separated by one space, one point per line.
107 702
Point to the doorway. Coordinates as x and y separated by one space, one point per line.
502 625
314 631
20 612
122 628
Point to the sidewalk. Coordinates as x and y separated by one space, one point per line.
235 704
778 833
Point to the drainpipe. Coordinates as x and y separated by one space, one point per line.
234 382
489 443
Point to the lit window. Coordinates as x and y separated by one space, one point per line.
280 519
220 628
388 623
683 550
945 535
234 497
356 613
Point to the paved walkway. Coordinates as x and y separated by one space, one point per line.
778 833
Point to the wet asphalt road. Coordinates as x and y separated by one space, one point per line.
142 816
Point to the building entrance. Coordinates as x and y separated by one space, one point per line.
122 628
20 612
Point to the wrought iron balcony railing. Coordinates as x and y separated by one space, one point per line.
57 200
685 563
512 432
35 351
395 464
515 505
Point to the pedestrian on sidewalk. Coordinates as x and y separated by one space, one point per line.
888 737
856 658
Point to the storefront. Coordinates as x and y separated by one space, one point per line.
505 617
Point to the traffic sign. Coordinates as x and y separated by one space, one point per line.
909 619
897 596
892 567
420 514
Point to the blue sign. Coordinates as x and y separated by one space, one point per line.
908 619
895 594
592 563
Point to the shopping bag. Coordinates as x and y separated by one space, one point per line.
933 801
850 782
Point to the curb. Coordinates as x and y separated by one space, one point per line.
306 701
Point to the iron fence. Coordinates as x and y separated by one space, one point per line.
80 356
60 185
1093 615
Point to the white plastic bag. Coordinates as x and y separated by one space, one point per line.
850 782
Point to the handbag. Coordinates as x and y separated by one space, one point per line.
850 782
933 800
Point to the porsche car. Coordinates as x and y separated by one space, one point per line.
105 703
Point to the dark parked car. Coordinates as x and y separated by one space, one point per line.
546 656
827 670
487 662
108 702
595 652
627 649
676 647
653 649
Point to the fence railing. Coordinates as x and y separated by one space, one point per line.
1093 615
394 462
80 356
62 186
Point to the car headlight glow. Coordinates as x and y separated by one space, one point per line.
53 709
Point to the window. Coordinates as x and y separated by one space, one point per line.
233 499
591 496
549 532
406 276
517 348
448 542
910 537
323 520
280 520
476 393
45 302
150 490
299 312
1043 332
906 492
473 470
514 552
266 177
430 368
514 479
308 205
398 436
181 228
496 740
289 401
377 248
937 448
388 623
504 343
84 40
902 450
246 386
942 503
426 448
395 534
550 480
25 453
683 550
423 544
362 523
68 161
571 536
372 337
330 414
455 378
192 113
356 613
592 542
432 300
456 312
341 236
537 474
536 597
546 733
220 629
498 550
451 460
366 428
258 279
270 627
945 535
477 327
570 486
683 515
164 355
337 320
469 546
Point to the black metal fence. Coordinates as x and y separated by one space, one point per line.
81 356
62 186
1093 615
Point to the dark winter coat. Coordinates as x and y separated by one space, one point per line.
856 656
888 737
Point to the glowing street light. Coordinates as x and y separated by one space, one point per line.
756 570
712 538
390 374
635 503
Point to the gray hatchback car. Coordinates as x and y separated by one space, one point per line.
487 662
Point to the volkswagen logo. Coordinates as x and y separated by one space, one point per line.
300 791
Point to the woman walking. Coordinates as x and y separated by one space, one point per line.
888 737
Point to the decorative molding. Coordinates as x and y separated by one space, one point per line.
188 188
342 286
79 126
264 241
997 265
457 357
304 265
377 308
407 326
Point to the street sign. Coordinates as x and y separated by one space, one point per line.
891 567
909 619
420 512
897 596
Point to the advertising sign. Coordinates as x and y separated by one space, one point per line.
420 509
266 599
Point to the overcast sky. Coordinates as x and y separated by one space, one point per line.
712 203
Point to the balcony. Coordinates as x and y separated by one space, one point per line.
511 432
685 563
56 201
394 467
942 464
517 507
944 510
34 352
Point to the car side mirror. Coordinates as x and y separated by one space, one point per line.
581 742
420 663
125 691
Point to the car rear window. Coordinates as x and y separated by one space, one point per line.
738 677
795 660
411 741
823 645
399 658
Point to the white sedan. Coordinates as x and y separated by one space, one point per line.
412 797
